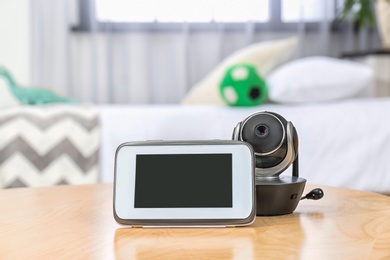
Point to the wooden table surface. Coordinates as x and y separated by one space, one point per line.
76 222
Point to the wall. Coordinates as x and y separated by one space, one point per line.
15 38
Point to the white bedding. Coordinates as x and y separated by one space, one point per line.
345 143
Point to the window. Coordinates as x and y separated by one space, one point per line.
171 11
204 14
294 11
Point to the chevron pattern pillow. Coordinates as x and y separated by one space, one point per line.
49 145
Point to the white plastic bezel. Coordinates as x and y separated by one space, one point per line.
243 179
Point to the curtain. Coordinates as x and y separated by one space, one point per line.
149 67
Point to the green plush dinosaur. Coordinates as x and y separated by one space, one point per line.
32 96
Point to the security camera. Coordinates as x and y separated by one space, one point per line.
275 144
274 140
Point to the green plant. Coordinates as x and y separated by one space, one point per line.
360 12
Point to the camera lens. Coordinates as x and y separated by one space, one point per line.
261 130
265 131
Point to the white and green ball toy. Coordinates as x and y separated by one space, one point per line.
243 86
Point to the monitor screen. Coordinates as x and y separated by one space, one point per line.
183 181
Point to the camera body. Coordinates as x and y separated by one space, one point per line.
275 144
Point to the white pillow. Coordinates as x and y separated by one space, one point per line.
317 79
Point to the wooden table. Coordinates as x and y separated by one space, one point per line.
77 222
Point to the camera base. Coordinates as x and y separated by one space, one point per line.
278 196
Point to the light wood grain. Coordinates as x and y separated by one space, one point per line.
77 222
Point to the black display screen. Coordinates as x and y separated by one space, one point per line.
183 181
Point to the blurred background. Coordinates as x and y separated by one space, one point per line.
153 51
113 71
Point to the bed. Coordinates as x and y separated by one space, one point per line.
344 143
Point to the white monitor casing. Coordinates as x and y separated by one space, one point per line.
242 212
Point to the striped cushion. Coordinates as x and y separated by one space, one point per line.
48 145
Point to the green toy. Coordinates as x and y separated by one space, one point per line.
243 86
32 96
